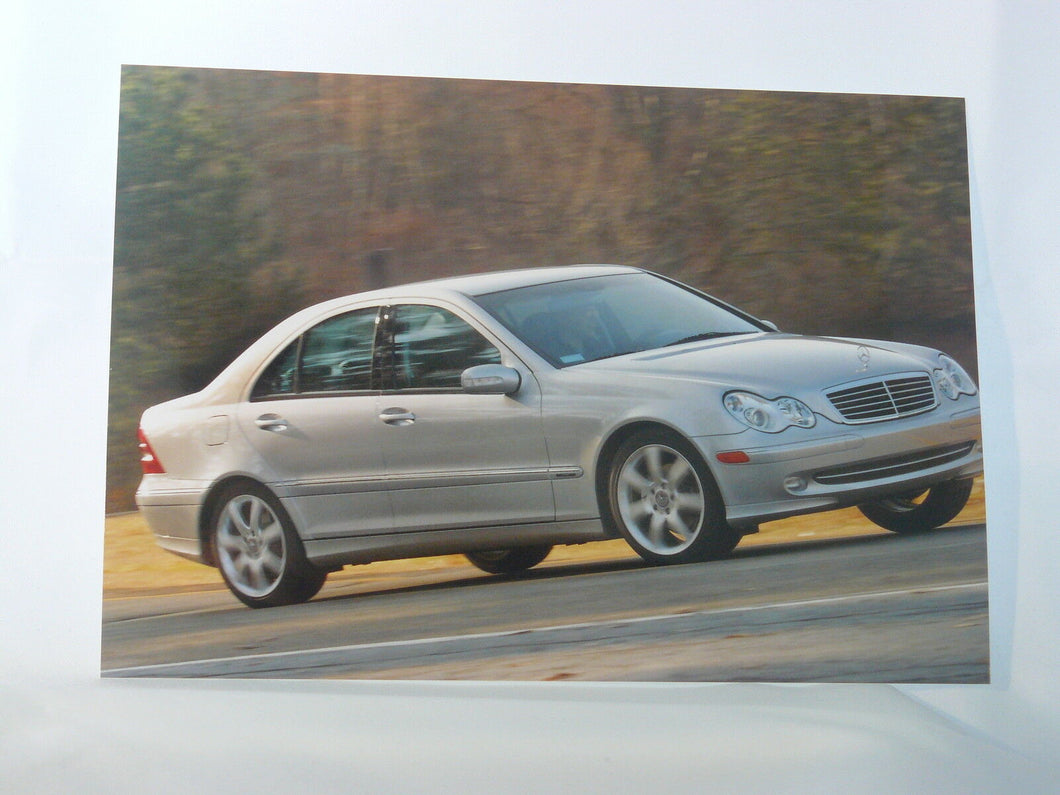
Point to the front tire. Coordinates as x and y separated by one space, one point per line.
258 552
665 502
919 511
508 561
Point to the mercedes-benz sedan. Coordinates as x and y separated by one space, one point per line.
501 414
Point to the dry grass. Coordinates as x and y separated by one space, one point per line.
132 562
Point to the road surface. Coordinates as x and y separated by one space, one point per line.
880 608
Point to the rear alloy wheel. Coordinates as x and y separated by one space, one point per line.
665 503
508 561
260 556
919 511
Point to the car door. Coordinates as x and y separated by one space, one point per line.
456 459
313 418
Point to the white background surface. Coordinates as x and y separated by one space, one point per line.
61 729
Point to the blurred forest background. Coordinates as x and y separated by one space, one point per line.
243 196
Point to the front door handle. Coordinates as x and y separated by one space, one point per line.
396 416
271 422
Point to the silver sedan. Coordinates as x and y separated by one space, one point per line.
501 414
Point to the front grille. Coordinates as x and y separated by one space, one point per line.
884 399
893 466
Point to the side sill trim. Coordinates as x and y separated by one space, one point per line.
422 480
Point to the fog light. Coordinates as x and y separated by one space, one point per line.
795 484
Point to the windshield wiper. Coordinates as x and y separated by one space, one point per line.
705 335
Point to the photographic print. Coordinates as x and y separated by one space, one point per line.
432 378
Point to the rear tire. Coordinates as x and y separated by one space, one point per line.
508 561
665 502
258 551
919 511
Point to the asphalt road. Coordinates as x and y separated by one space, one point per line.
881 608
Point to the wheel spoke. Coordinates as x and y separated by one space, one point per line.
254 521
639 509
272 562
272 533
230 543
632 480
689 501
677 526
235 515
254 573
657 529
243 566
679 470
653 459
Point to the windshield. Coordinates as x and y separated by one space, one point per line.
582 320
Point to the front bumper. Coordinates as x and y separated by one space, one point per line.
834 466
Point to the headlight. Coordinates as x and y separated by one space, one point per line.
952 380
771 416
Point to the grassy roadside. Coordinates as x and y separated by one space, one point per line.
134 564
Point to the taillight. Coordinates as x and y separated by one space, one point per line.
149 462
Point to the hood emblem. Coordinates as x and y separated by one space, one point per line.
863 359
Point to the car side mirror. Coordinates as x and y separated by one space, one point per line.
490 379
771 324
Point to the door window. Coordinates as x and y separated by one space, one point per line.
432 347
333 356
280 377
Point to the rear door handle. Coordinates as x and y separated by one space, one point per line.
271 422
397 416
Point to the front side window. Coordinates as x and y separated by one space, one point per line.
432 347
333 356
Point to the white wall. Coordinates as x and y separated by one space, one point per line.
59 726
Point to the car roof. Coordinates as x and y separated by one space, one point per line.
457 287
485 283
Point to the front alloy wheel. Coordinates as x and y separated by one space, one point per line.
665 503
260 557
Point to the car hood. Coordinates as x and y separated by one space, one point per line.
775 363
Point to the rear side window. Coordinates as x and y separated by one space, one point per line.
279 377
337 354
333 356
